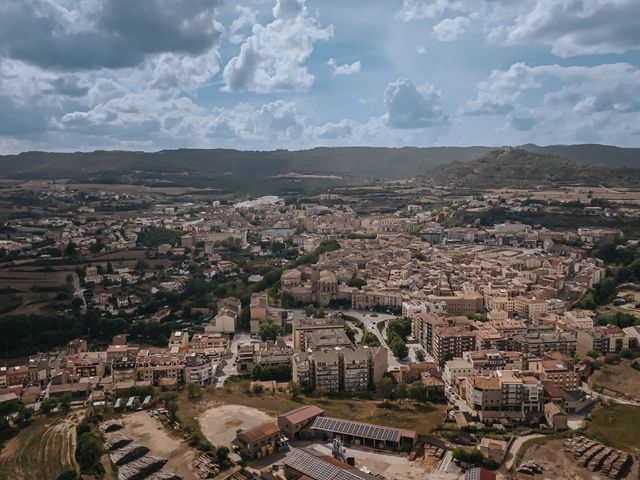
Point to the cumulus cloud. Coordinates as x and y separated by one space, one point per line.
450 29
576 27
273 58
567 27
409 107
344 69
104 33
574 103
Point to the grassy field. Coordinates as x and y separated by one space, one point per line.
616 425
618 380
421 418
43 450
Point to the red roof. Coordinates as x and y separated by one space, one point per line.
302 414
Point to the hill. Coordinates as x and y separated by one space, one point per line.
281 171
518 168
591 153
234 170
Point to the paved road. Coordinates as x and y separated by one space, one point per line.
515 447
230 358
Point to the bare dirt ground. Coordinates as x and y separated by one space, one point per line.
148 431
618 380
43 450
559 465
219 424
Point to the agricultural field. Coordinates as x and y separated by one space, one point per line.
617 380
43 450
617 426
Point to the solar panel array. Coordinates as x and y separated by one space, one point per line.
356 429
317 468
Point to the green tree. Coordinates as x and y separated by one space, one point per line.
369 339
257 389
193 391
269 331
351 333
71 249
384 387
222 455
48 405
88 451
398 347
418 392
420 356
295 390
402 391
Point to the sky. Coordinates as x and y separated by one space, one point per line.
267 74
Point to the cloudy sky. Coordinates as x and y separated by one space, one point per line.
266 74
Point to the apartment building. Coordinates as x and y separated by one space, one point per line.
603 340
451 342
504 391
460 302
259 310
540 339
558 371
486 361
339 370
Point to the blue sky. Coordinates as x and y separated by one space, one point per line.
266 74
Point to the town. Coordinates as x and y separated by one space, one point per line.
302 338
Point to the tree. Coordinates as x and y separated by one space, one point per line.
402 391
384 387
418 392
351 333
398 347
269 331
71 249
193 391
88 451
222 455
357 282
370 340
48 405
420 356
65 401
257 389
294 390
142 265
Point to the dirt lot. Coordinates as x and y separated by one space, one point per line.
559 465
43 450
219 424
148 431
619 380
421 418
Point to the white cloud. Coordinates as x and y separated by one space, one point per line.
450 29
273 58
576 27
410 107
562 104
344 69
247 17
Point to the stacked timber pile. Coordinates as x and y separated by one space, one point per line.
127 454
115 440
111 426
161 475
141 468
596 457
